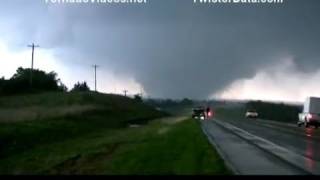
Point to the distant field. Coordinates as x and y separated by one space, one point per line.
230 113
89 133
276 111
267 111
60 105
179 110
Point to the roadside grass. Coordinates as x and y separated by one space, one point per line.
93 141
180 150
9 115
57 105
183 110
109 112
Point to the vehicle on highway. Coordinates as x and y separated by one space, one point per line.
252 114
199 113
311 113
202 113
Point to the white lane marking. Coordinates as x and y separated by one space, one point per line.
282 128
220 151
270 122
281 152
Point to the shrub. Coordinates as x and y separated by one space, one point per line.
81 87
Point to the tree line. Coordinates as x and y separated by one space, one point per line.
275 111
20 83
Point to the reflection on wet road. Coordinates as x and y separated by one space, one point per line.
300 140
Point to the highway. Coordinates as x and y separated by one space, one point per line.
260 147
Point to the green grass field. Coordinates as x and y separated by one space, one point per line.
88 133
230 113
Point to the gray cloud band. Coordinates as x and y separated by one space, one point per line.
172 47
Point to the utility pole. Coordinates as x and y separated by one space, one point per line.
125 93
95 76
33 46
141 93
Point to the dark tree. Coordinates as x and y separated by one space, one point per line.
186 101
81 87
2 84
138 98
63 87
20 82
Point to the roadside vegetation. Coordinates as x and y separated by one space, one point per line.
92 133
20 82
174 107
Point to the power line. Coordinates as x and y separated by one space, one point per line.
95 76
33 46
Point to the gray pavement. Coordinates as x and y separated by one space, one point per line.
305 142
247 153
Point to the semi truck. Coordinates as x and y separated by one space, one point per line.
311 113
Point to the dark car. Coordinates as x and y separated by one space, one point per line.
199 113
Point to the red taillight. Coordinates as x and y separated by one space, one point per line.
309 116
210 114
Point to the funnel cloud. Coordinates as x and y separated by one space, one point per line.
171 48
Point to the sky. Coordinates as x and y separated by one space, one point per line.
170 48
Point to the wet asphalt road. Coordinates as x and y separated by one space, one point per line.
303 141
244 158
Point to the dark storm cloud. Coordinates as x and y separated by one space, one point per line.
172 47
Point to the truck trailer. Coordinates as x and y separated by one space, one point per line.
311 113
